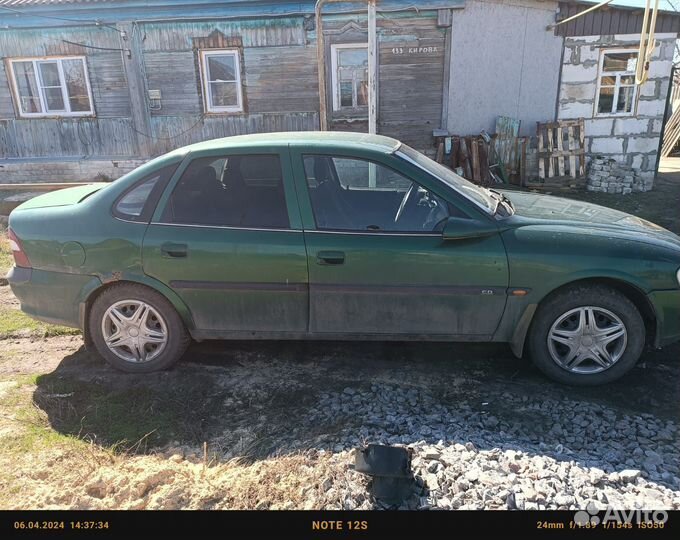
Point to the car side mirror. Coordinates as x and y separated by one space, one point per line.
463 229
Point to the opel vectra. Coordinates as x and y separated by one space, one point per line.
341 236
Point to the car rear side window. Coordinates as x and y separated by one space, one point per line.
230 191
138 202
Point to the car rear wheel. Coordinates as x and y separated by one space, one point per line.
586 335
136 329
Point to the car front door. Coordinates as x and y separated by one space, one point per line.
227 237
378 262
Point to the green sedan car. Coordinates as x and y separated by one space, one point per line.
341 236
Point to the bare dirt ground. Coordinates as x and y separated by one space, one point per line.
272 425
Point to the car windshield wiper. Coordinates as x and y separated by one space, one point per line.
504 200
507 201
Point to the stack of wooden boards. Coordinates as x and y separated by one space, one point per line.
501 158
486 159
469 156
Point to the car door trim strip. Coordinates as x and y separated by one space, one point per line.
339 288
239 286
225 227
406 289
373 233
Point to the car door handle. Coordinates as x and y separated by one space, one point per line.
176 251
330 257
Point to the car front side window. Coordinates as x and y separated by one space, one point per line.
243 191
351 194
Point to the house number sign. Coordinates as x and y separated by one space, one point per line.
415 50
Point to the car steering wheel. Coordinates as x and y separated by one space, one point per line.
404 201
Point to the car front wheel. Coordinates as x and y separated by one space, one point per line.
586 335
136 329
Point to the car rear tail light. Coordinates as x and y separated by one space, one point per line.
20 257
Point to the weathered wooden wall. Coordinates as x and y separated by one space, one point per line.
280 85
67 137
6 107
411 79
109 85
411 73
279 74
280 88
107 134
166 128
282 80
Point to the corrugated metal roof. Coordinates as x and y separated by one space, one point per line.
611 20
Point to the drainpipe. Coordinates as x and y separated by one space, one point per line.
372 64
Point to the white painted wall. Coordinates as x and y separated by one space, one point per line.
503 62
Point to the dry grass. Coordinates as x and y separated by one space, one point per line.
41 468
14 323
43 465
90 478
6 259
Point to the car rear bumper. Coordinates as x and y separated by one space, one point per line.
53 297
667 307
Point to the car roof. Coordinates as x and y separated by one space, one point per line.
341 140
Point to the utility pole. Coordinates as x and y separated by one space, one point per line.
372 69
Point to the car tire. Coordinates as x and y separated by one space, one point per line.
144 331
557 343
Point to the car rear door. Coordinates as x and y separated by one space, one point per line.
372 274
227 237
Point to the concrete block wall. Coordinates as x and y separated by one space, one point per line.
24 171
629 140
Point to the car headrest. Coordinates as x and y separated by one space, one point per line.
321 172
206 179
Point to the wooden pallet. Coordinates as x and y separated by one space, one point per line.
561 150
671 130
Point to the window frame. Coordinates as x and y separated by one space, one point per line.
163 206
205 81
35 60
369 160
335 80
617 85
166 174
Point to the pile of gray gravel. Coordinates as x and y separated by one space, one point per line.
520 452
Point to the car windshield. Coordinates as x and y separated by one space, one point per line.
479 195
